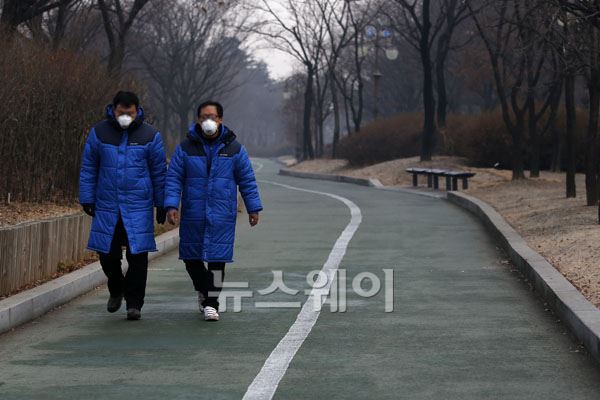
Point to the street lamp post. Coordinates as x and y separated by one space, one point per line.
376 33
377 75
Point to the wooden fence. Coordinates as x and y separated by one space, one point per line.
34 251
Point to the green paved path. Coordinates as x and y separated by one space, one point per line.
463 327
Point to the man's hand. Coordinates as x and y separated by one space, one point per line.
253 219
89 209
161 215
173 216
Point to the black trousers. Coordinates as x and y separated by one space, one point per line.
207 280
133 285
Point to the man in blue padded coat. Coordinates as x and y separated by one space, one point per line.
121 181
205 173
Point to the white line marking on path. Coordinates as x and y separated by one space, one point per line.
265 383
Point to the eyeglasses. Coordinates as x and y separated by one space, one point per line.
208 116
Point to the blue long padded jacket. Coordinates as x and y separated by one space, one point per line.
205 176
123 172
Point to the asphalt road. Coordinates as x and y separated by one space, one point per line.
463 324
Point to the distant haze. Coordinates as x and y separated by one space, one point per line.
280 65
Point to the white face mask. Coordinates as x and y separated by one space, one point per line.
209 127
124 120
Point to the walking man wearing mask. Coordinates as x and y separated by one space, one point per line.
208 167
122 179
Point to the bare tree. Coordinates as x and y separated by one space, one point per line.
454 12
336 15
292 107
71 24
64 13
117 23
517 55
425 24
17 12
296 28
582 18
191 53
77 27
350 66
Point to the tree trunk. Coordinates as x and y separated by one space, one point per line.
183 124
518 168
321 143
570 134
428 136
318 130
347 116
554 131
9 20
440 72
358 116
308 152
442 103
61 22
116 57
336 118
591 182
556 147
166 112
534 171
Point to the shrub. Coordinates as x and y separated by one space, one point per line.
383 140
484 140
48 102
480 138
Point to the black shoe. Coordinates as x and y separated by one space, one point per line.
133 314
114 303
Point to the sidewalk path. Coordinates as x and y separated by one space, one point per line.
463 327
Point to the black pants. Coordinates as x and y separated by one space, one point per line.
133 285
207 280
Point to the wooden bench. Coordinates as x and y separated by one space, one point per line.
415 174
455 176
433 176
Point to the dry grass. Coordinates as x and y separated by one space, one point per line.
565 231
20 212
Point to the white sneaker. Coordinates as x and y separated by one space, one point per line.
200 300
210 314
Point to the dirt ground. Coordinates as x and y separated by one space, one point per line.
565 231
17 212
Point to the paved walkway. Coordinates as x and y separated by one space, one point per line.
463 327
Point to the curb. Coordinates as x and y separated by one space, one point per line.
371 182
30 304
580 316
328 177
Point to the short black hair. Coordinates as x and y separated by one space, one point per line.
211 103
126 99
